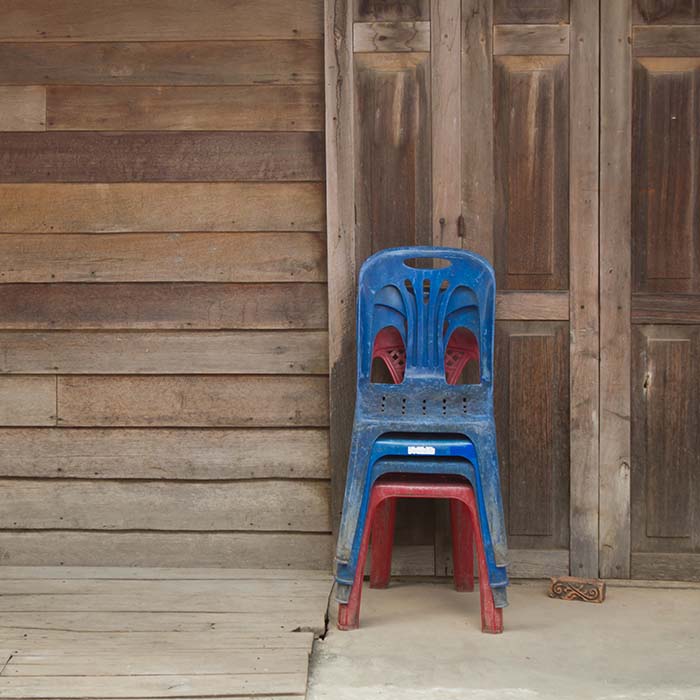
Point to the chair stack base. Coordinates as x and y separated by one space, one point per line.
466 531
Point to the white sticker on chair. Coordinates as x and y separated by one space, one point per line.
421 450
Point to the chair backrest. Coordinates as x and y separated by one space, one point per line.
426 305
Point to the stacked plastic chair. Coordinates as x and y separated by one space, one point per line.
425 322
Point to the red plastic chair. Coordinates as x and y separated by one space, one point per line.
465 531
461 347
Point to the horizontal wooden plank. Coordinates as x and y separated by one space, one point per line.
242 549
166 305
23 108
284 62
156 663
179 156
27 401
125 207
164 352
391 36
669 566
138 591
151 257
666 40
154 20
123 573
238 108
666 308
531 39
218 401
163 454
204 686
76 504
537 563
48 641
532 306
103 625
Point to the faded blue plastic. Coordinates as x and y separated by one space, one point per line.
424 425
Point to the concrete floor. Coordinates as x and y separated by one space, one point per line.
421 641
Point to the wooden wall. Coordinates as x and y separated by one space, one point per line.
163 342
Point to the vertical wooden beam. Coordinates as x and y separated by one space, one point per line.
445 120
340 222
615 289
583 266
477 126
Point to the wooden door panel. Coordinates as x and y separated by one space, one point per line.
393 178
531 213
666 11
665 439
481 142
532 416
383 10
529 12
650 332
665 167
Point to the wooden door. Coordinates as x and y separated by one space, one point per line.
650 289
474 124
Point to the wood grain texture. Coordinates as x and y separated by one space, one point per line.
154 20
531 39
666 308
156 686
221 401
118 573
215 206
238 663
378 10
160 257
392 178
240 549
615 290
284 62
531 379
477 127
342 264
665 440
164 352
135 453
531 165
670 567
160 157
238 108
161 505
23 108
665 175
535 306
666 40
539 12
27 401
445 121
163 306
391 36
665 11
583 284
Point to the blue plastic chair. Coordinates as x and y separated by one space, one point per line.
424 425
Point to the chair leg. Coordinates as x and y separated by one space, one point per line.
382 542
462 546
349 613
491 616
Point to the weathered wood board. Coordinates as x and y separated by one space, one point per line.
162 217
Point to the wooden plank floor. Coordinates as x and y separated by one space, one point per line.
158 633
